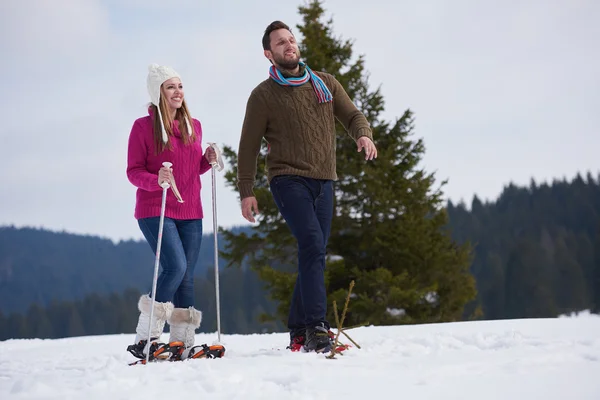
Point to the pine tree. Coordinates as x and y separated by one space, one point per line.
39 323
528 283
490 286
570 290
75 325
389 228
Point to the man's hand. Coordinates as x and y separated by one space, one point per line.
370 150
249 208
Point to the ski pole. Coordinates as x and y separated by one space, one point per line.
218 164
165 186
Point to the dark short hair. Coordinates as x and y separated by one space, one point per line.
273 26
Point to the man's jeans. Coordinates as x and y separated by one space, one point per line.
179 252
306 204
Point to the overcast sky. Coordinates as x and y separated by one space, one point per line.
502 91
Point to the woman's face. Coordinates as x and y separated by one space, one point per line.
172 90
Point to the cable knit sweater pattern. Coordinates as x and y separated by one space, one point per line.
300 131
143 165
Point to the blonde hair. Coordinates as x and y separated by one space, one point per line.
182 115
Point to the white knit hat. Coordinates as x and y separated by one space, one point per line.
157 75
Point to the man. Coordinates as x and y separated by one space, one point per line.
295 111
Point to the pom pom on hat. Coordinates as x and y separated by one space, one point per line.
157 75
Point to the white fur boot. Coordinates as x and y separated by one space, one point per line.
162 312
183 324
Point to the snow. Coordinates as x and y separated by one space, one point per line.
508 359
396 312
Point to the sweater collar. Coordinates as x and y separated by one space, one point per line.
174 126
300 72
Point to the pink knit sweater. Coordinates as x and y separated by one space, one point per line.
143 165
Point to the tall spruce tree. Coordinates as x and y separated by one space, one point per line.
389 227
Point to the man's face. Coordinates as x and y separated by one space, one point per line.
284 51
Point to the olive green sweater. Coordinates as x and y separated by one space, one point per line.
300 131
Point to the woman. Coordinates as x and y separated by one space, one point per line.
168 134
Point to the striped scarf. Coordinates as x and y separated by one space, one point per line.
321 90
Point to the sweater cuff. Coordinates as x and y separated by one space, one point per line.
246 190
364 132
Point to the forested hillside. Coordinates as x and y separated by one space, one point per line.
38 265
537 248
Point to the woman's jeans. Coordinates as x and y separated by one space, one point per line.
306 204
179 253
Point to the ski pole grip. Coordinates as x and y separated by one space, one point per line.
165 185
218 163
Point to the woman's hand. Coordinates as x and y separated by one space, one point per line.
164 175
210 155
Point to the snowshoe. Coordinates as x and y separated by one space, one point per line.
158 351
137 350
205 351
318 339
176 351
298 341
170 351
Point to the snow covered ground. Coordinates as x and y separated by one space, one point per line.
513 359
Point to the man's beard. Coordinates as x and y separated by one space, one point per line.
287 64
